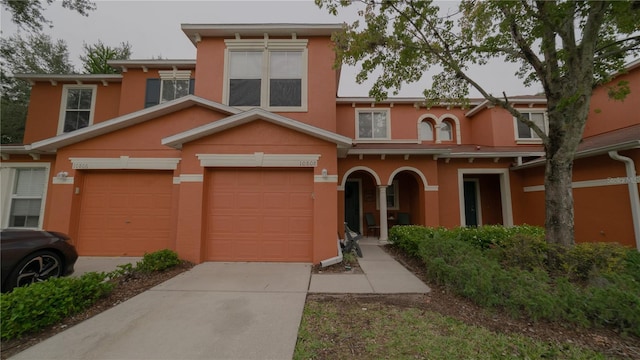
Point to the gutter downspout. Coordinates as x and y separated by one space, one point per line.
632 183
333 260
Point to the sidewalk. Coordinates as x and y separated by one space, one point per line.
382 275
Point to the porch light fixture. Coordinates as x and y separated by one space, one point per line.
325 174
62 175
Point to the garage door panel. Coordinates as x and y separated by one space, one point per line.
270 207
125 213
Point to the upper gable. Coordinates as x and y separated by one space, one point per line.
282 68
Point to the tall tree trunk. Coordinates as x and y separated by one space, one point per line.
559 224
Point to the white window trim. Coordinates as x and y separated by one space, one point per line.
357 124
396 192
532 140
8 176
266 46
63 104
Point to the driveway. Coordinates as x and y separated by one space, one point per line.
215 311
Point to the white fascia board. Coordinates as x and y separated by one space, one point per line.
70 77
176 141
628 145
127 120
353 151
493 154
518 101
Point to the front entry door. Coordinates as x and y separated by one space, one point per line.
471 203
352 205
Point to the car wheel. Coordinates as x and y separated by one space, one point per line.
36 267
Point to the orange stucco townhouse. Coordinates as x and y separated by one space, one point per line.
247 154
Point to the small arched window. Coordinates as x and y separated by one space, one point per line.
446 131
426 131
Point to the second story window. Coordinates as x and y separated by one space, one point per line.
77 107
373 125
170 86
446 131
425 131
524 132
271 74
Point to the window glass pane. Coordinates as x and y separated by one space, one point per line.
365 126
182 88
85 99
285 65
426 131
524 132
25 212
75 120
445 131
168 90
244 92
73 98
245 64
379 124
29 182
285 92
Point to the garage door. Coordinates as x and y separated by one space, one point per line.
260 215
125 213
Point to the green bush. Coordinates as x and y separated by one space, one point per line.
158 261
38 305
516 270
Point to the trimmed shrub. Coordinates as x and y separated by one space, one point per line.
516 270
158 261
38 305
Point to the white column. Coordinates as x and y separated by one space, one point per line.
384 227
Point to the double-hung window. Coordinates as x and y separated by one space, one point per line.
372 124
77 108
271 74
26 193
524 132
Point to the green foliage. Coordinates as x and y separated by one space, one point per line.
29 14
515 269
38 305
96 56
31 308
32 54
158 261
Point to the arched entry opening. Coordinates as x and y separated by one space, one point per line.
359 197
405 199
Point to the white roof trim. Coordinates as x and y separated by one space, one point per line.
486 103
124 121
176 141
627 145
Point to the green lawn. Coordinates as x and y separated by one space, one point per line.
341 330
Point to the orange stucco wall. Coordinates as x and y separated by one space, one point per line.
606 114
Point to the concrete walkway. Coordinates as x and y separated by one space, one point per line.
219 311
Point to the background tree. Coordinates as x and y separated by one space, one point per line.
35 54
28 14
96 56
568 47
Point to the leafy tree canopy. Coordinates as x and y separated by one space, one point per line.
35 53
28 14
568 47
95 57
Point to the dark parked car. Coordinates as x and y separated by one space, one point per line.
30 256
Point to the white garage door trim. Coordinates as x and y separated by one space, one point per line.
259 159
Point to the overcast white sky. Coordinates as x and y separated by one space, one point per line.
152 27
